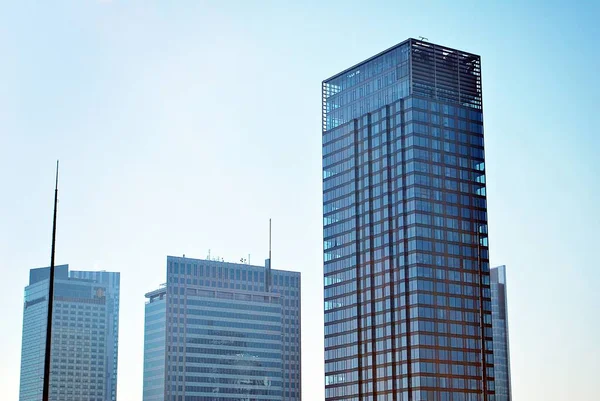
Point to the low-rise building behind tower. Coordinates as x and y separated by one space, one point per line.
500 331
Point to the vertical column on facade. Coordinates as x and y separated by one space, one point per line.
402 162
170 320
481 311
188 274
392 257
364 268
357 261
166 328
371 264
476 238
435 87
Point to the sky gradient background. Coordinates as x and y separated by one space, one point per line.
184 126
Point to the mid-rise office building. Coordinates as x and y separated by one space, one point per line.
219 331
500 329
85 333
408 313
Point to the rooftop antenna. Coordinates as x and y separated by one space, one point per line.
268 272
423 38
46 385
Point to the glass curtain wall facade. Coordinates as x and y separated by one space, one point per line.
35 314
406 269
84 342
111 282
287 284
231 332
154 345
500 325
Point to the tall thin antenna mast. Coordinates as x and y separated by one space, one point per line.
268 269
46 389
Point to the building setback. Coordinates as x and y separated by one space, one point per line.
220 331
500 326
85 333
407 308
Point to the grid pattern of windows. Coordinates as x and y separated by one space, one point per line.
232 332
154 346
112 284
82 341
34 338
78 368
223 339
406 272
375 83
501 341
287 284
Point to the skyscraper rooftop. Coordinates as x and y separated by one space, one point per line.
412 67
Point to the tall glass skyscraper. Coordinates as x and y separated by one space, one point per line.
85 335
407 278
220 331
500 325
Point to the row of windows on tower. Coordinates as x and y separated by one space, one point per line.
413 175
412 193
415 326
361 103
220 272
426 105
466 120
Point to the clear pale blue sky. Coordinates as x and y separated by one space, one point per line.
183 126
